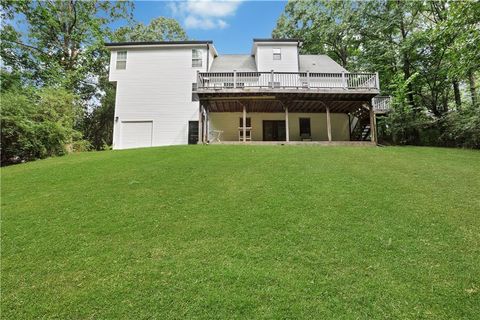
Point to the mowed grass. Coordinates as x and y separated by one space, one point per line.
243 232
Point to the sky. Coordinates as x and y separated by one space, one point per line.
230 24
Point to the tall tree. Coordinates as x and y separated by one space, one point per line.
326 27
159 29
59 43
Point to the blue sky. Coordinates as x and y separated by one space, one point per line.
230 24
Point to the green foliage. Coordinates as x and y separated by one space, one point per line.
37 123
426 52
159 29
463 128
326 27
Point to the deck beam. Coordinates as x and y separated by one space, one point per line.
287 130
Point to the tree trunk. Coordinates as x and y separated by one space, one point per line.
473 93
406 61
456 92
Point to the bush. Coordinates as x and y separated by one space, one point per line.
462 128
37 123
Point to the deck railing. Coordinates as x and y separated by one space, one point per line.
381 104
286 80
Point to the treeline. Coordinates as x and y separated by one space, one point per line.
55 93
427 54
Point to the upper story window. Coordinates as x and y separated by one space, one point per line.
196 58
277 54
121 60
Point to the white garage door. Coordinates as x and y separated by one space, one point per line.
136 134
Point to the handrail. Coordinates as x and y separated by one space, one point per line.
381 103
286 80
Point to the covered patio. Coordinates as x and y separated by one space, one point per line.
287 117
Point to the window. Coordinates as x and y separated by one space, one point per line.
196 58
121 60
305 127
249 122
277 54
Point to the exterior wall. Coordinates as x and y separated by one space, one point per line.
157 86
228 122
265 62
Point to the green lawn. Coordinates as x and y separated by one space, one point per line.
243 232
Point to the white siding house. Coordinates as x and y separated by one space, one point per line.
171 93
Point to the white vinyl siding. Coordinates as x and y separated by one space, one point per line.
121 60
136 134
266 57
157 86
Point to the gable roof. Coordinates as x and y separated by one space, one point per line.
318 63
230 62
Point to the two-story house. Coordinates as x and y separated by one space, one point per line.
181 92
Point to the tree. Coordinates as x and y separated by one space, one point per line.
62 41
159 29
326 27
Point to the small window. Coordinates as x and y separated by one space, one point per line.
196 58
305 127
121 60
277 54
249 122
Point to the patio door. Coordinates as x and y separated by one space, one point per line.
274 130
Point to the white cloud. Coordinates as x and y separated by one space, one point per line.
204 14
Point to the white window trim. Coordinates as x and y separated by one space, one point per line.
277 52
121 60
197 58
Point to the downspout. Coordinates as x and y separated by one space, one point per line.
208 57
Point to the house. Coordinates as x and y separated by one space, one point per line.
180 92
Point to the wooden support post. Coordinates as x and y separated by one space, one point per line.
244 123
329 125
200 124
287 130
205 126
234 79
373 129
272 78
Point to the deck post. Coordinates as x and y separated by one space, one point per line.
308 79
377 79
200 124
287 130
329 125
244 123
198 79
373 129
234 79
344 83
272 77
205 126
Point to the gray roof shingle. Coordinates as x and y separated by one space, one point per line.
319 63
230 62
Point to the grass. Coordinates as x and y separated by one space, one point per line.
216 232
